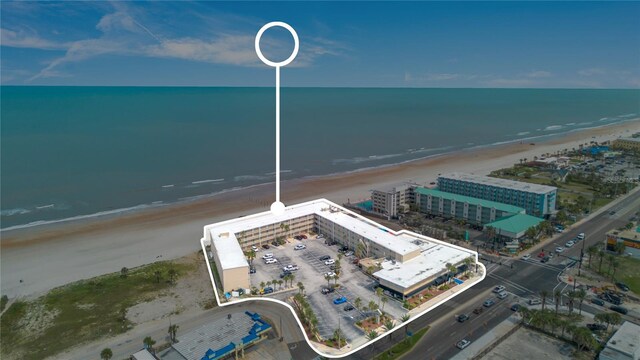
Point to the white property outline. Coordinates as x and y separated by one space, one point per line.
277 208
304 333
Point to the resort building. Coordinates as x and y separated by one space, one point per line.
408 262
514 227
630 239
631 143
393 200
224 338
537 200
472 210
624 344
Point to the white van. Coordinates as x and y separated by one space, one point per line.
581 236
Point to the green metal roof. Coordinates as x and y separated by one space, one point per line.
515 223
470 200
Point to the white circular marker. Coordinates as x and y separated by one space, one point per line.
296 44
277 208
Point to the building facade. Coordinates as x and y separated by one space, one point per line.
393 200
630 239
632 144
537 200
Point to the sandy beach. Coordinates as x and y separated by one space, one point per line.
48 256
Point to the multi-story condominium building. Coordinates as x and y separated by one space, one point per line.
453 206
627 144
408 262
393 200
537 200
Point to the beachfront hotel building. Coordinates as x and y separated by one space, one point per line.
407 262
630 143
537 200
393 199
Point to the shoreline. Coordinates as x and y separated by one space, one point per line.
93 246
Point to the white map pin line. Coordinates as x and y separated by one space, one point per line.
277 208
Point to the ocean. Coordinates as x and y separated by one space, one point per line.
80 151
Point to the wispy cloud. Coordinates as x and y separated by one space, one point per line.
538 74
23 39
591 72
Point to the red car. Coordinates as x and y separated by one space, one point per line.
541 255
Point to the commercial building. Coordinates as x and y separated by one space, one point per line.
408 261
227 337
393 199
537 200
632 144
630 238
624 344
472 210
514 227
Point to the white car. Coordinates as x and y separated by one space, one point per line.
463 344
569 244
330 262
348 253
581 236
330 274
299 247
559 249
502 295
526 257
271 261
267 256
290 268
499 289
254 248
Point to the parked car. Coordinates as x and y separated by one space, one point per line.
596 327
463 344
569 244
515 307
325 257
300 247
478 310
343 248
488 303
619 309
502 295
535 301
285 273
614 299
348 307
559 249
526 257
270 261
340 300
254 248
298 237
267 256
290 268
348 253
498 289
622 286
327 290
545 259
331 242
252 270
268 290
330 262
330 274
463 318
581 236
597 302
265 246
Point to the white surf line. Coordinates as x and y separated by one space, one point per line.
206 181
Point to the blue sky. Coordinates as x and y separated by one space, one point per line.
412 44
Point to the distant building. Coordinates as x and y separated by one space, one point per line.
624 344
472 210
143 354
393 200
632 144
514 227
223 338
537 200
630 238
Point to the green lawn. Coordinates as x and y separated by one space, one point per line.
81 311
628 272
403 346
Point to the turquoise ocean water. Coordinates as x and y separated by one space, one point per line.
74 151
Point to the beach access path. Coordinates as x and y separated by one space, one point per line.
37 259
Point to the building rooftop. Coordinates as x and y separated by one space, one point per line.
516 223
432 260
227 244
394 187
624 344
470 200
632 234
502 183
143 354
217 338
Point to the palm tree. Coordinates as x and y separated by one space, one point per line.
388 326
614 319
543 296
373 307
124 272
557 297
593 250
614 265
404 320
328 278
301 287
106 354
335 279
384 301
452 271
269 283
572 296
173 330
338 335
525 313
610 259
251 255
601 255
262 284
357 302
581 295
602 318
379 292
148 343
468 261
582 336
280 282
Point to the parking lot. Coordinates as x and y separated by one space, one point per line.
311 272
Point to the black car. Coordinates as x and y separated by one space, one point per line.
330 242
515 307
596 327
252 270
285 273
619 309
622 286
544 259
348 307
343 249
463 318
597 302
265 246
326 257
327 290
614 299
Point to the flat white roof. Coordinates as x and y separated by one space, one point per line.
433 259
626 341
434 254
503 183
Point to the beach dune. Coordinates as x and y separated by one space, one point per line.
39 258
